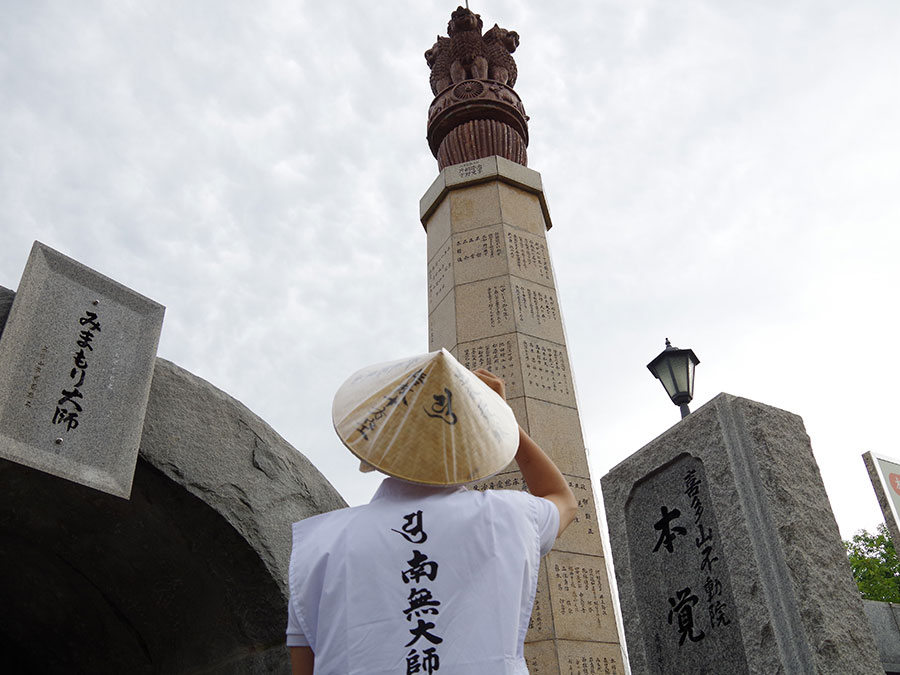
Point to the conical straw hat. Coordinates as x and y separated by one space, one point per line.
426 419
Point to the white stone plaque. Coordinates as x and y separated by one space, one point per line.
76 360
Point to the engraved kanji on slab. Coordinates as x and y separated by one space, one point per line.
76 360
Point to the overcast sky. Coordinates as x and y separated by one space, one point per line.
725 174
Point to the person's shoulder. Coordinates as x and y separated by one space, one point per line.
515 499
509 495
331 519
520 501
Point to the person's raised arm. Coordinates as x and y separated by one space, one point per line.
544 479
541 475
302 659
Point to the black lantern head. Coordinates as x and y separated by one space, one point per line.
675 369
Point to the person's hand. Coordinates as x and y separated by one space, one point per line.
492 381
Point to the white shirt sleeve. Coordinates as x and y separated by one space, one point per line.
547 523
295 636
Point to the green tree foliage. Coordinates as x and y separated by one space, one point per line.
876 569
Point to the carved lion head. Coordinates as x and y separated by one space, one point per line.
462 20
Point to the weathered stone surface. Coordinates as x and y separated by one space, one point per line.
884 619
6 300
557 429
76 358
756 580
475 207
188 576
217 449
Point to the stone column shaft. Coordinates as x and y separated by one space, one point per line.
492 302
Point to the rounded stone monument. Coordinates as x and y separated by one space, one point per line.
188 575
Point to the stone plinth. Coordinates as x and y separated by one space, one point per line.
728 558
76 360
492 302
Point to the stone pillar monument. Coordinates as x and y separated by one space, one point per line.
492 302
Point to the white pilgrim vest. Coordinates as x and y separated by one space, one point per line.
420 580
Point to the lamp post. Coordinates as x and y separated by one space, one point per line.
675 369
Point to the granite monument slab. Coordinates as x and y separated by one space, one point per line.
727 555
76 360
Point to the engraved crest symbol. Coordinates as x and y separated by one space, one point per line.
894 480
468 89
442 407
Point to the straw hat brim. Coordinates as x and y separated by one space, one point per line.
426 420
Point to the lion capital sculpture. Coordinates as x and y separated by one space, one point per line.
467 55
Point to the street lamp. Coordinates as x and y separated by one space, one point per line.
675 369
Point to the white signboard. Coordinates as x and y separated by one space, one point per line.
885 475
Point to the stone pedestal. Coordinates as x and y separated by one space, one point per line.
728 558
492 302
